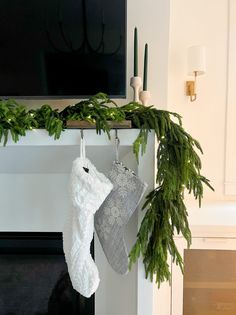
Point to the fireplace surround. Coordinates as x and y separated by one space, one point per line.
34 197
34 278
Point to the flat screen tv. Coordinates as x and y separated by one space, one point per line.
62 48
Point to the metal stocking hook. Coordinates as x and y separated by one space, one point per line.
117 143
82 148
82 144
82 133
82 151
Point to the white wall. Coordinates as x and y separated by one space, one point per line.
202 22
205 22
230 172
152 20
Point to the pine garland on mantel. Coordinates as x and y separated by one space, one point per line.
178 167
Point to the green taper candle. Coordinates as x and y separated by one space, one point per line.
135 52
145 70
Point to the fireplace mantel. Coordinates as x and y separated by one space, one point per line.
33 197
40 137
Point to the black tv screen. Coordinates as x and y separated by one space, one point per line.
62 48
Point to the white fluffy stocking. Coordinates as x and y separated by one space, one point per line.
89 188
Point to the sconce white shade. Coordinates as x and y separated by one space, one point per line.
197 60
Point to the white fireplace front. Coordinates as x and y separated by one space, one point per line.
34 177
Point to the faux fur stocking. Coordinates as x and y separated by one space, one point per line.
89 188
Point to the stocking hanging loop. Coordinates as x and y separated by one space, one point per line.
82 144
82 133
117 145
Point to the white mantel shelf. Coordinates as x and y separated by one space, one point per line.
40 137
37 152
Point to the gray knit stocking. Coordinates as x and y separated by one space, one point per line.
114 214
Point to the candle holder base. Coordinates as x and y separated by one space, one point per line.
145 97
136 83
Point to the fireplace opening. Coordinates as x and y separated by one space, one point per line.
34 279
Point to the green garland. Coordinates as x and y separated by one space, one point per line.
178 167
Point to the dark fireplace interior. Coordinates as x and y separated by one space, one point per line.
34 279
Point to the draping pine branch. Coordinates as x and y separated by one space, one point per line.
178 167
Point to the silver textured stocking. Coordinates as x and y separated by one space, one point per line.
114 214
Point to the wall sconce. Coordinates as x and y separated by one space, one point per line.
196 66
